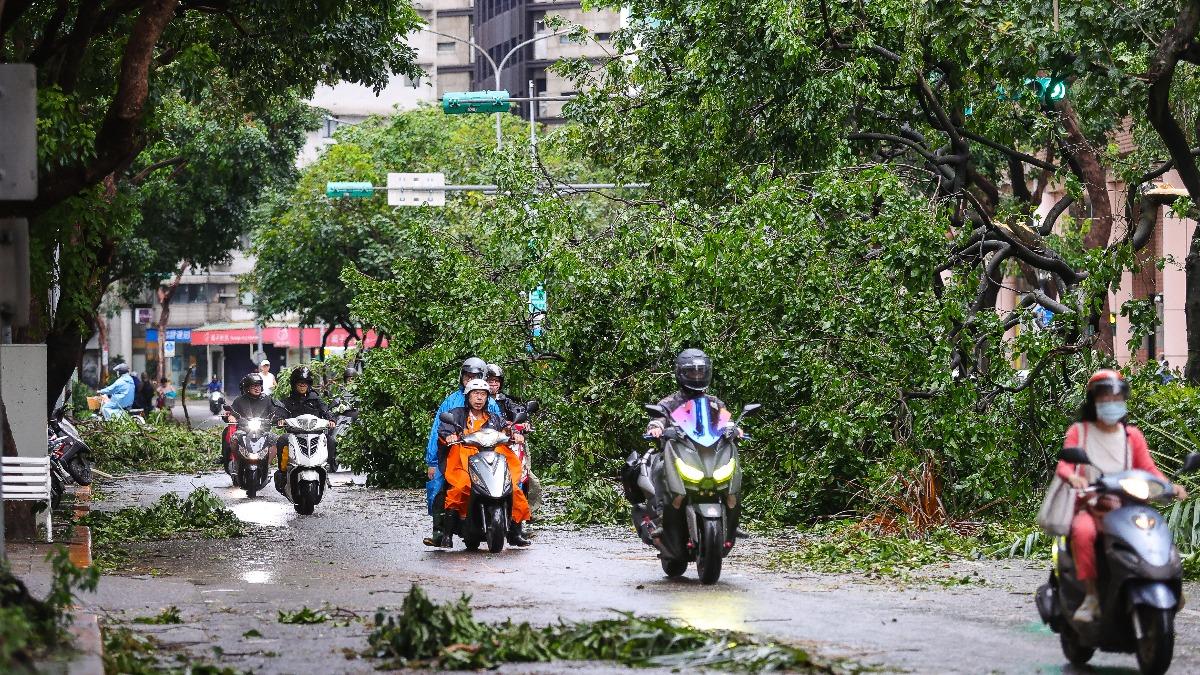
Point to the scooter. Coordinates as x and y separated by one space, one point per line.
689 488
302 479
490 507
1140 574
250 462
69 454
216 401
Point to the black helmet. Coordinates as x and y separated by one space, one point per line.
473 366
494 370
301 374
693 370
251 380
349 373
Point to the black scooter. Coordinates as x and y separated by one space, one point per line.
69 454
688 492
1140 575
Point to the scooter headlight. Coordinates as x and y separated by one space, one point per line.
725 471
254 425
1137 488
688 472
1144 522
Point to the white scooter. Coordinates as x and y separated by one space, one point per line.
303 479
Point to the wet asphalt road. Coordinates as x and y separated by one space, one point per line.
361 551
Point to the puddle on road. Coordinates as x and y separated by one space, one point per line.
712 611
262 512
256 577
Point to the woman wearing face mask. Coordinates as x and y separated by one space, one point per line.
1112 446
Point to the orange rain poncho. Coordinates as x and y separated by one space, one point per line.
458 496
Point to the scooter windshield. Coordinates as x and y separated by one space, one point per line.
696 419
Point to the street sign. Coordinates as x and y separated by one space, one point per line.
416 189
464 102
343 190
169 348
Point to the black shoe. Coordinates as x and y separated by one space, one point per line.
515 536
279 478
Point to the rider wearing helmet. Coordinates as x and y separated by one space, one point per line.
435 455
303 400
509 407
252 403
120 393
1112 446
468 419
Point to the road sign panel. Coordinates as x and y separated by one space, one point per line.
416 189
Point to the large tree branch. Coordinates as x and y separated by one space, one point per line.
1161 74
1012 152
145 173
1095 179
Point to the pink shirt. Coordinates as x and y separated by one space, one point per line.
1139 452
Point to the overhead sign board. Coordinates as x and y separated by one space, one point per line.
416 189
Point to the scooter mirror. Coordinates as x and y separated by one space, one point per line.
1191 463
446 417
532 406
1073 455
750 407
656 410
520 417
669 435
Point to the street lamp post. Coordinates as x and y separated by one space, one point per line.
497 68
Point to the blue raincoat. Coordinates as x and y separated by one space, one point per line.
456 399
120 396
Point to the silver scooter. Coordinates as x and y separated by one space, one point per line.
490 508
1140 575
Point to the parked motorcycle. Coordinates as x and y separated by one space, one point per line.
1140 575
216 401
250 462
304 474
688 488
490 508
69 454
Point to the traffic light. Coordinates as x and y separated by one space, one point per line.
1047 89
349 190
464 102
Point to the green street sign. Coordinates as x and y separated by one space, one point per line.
466 102
349 190
1047 89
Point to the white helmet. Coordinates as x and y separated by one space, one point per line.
476 384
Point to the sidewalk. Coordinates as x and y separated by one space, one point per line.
28 559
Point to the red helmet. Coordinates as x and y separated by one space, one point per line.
1107 381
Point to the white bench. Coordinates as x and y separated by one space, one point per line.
28 479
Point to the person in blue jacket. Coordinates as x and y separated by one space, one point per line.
120 393
435 459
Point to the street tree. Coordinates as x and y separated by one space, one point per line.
108 75
939 90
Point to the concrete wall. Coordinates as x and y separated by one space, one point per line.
23 386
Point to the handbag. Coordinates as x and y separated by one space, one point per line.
1058 508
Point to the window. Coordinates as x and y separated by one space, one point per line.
565 40
446 46
603 37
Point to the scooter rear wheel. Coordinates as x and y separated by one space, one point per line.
1157 646
1075 652
674 568
80 469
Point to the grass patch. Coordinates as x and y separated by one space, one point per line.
31 629
428 635
201 515
124 446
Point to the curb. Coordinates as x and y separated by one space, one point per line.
85 628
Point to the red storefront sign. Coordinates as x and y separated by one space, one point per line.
279 336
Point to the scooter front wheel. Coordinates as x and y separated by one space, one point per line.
1076 653
496 528
1157 646
708 562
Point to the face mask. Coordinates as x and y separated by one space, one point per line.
1110 412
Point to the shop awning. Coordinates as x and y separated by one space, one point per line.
279 336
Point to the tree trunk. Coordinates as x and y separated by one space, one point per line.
1191 309
64 348
165 293
325 339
